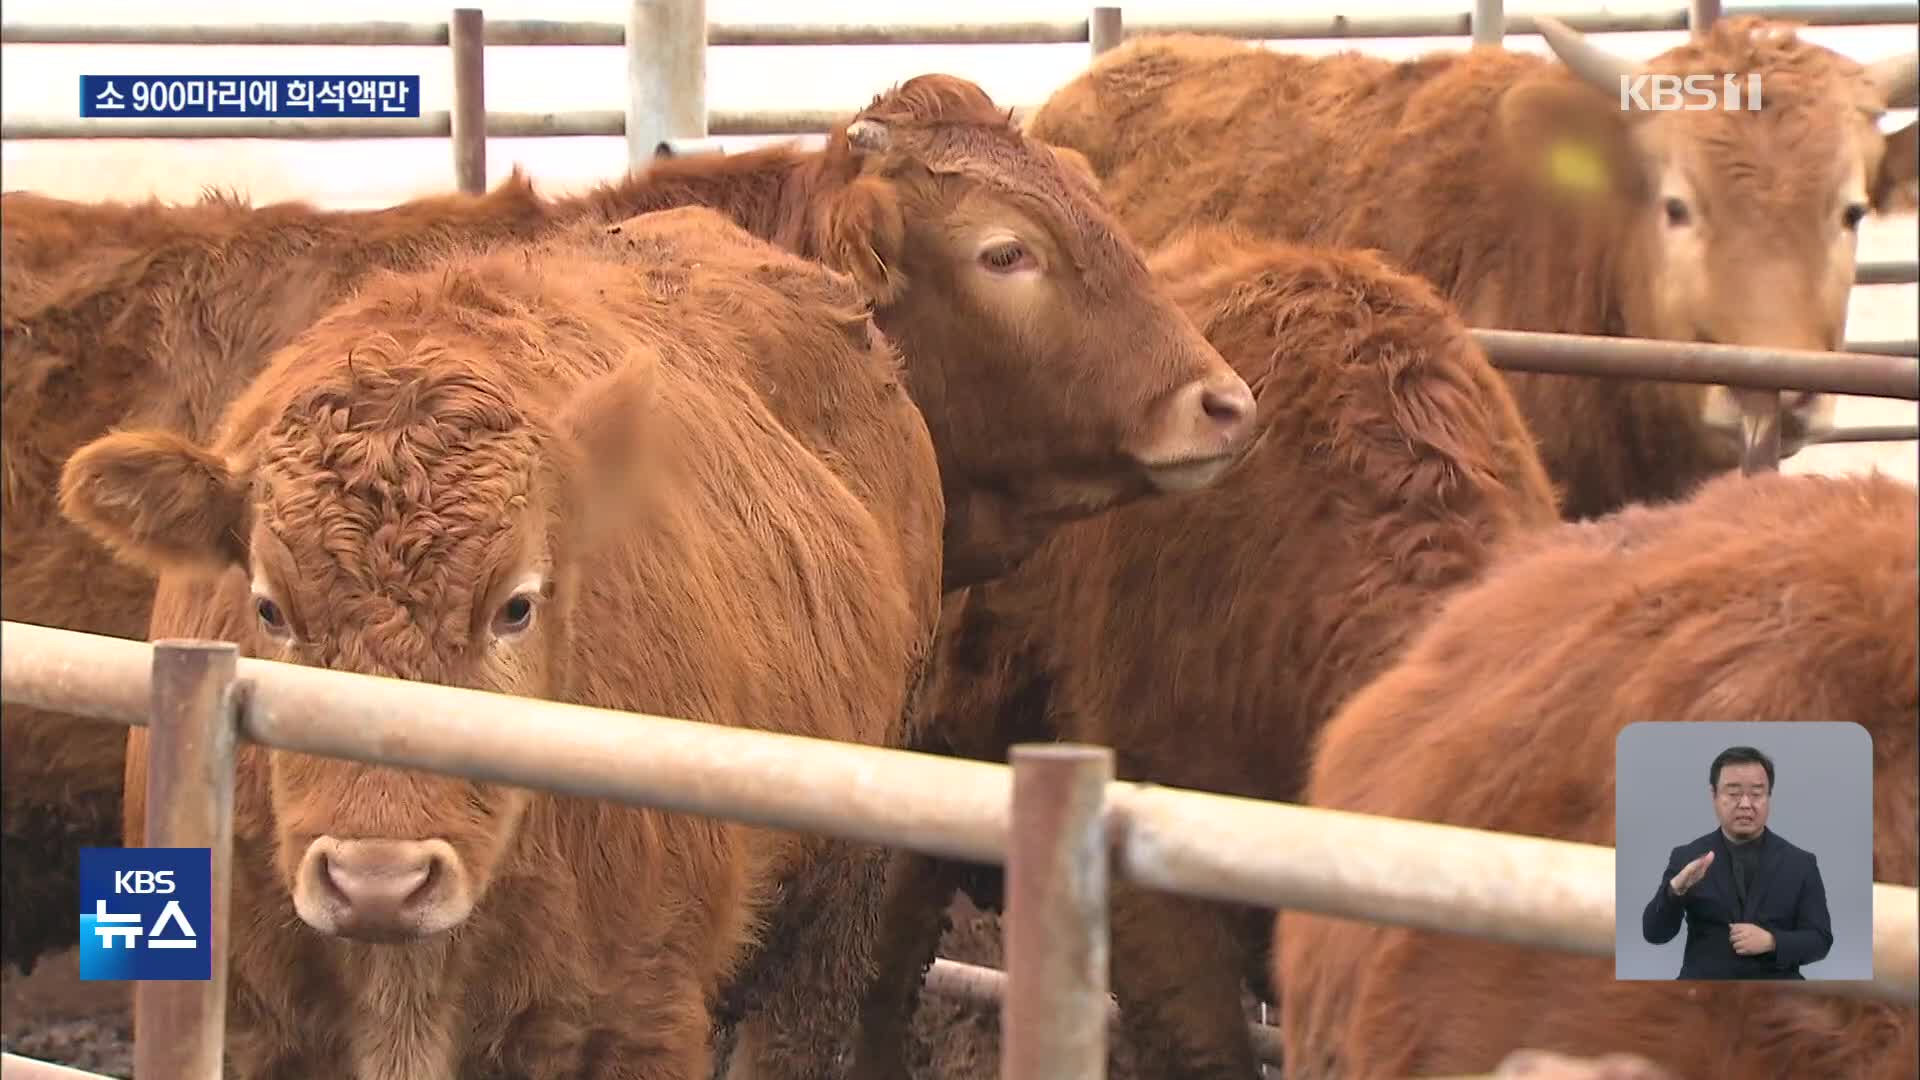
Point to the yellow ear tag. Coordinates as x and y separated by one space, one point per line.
1574 167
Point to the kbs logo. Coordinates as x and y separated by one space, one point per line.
145 913
1689 93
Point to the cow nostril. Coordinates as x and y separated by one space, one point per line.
1221 407
1227 401
380 887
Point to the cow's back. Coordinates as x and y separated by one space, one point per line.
1195 129
1772 598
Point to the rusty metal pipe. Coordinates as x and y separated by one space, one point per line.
1891 347
1764 369
858 792
1053 1021
180 1027
467 121
1860 433
918 32
1105 29
1887 272
1489 21
1524 890
1701 15
986 988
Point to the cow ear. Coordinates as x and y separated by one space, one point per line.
611 423
158 502
1894 187
860 231
1570 141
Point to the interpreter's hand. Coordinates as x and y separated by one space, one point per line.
1750 940
1690 874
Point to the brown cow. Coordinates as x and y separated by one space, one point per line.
667 469
1054 373
1521 188
1205 637
1774 597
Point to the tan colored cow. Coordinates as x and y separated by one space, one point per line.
1520 186
1770 598
667 469
1205 637
1055 374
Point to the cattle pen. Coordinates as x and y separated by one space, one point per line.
1055 817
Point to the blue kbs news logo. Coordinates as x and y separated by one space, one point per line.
145 913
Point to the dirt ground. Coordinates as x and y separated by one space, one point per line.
53 1016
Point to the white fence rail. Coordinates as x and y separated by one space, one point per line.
1521 890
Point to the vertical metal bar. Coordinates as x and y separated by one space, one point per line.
1489 21
180 1027
1104 29
666 75
1701 15
1054 1016
467 38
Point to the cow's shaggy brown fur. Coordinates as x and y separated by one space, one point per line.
1531 200
1770 598
1206 637
704 454
1039 394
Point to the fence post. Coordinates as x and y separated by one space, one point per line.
1104 29
666 75
1701 15
1053 1019
180 1027
467 38
1489 21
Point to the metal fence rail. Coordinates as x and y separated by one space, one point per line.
1870 374
931 31
666 86
1522 890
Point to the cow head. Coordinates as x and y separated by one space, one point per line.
1055 374
1726 224
383 504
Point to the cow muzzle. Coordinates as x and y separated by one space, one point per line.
1804 417
1202 429
381 890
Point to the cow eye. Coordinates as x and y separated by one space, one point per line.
1852 216
272 619
1677 212
514 616
1005 258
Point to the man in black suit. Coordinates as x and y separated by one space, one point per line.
1754 905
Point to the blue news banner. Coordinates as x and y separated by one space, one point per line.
145 913
203 96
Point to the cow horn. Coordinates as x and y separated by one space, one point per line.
868 135
1595 66
1898 79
